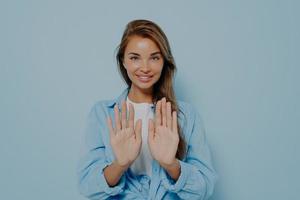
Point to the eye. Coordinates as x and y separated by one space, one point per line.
133 58
155 58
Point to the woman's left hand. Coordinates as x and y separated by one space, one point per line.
163 135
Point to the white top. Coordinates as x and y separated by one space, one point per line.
142 165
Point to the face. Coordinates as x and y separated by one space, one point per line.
144 62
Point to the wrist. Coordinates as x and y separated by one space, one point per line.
173 169
121 167
174 164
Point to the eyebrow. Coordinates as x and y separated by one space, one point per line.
154 53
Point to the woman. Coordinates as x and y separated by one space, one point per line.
145 144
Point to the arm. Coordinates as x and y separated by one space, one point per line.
197 176
113 173
173 169
94 164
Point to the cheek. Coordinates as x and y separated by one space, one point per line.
158 69
130 73
158 73
130 68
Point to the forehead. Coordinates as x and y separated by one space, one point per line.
140 44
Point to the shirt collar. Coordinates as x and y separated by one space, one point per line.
120 98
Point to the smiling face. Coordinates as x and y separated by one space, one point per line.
143 62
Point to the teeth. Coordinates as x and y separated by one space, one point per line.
144 77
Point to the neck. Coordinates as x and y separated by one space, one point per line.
140 96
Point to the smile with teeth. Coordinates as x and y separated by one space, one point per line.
144 78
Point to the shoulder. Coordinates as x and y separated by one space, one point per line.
188 114
100 108
187 108
191 121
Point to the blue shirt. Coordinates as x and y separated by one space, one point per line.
197 177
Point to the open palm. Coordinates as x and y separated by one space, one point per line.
163 135
125 139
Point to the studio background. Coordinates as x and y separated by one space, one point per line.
238 63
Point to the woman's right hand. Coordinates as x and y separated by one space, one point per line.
125 139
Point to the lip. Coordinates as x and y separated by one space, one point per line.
144 78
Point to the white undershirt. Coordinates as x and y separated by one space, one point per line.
142 165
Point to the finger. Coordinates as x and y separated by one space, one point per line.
164 110
150 129
124 112
158 114
169 115
174 123
131 116
117 117
138 129
110 127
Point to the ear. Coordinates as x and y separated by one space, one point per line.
124 65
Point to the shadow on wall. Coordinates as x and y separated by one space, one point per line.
182 93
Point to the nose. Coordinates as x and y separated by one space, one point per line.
145 66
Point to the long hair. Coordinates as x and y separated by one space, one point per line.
164 86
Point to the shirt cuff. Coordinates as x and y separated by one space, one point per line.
114 190
175 186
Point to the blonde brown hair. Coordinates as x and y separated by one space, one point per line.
164 86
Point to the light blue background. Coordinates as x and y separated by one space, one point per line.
238 63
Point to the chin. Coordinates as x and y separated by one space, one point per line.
144 86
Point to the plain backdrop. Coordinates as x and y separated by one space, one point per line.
238 63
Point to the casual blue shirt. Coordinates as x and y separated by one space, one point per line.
197 177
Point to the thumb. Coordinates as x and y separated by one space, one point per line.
150 129
138 129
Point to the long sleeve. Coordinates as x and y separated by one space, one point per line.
92 183
197 178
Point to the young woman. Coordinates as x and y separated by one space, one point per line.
145 144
